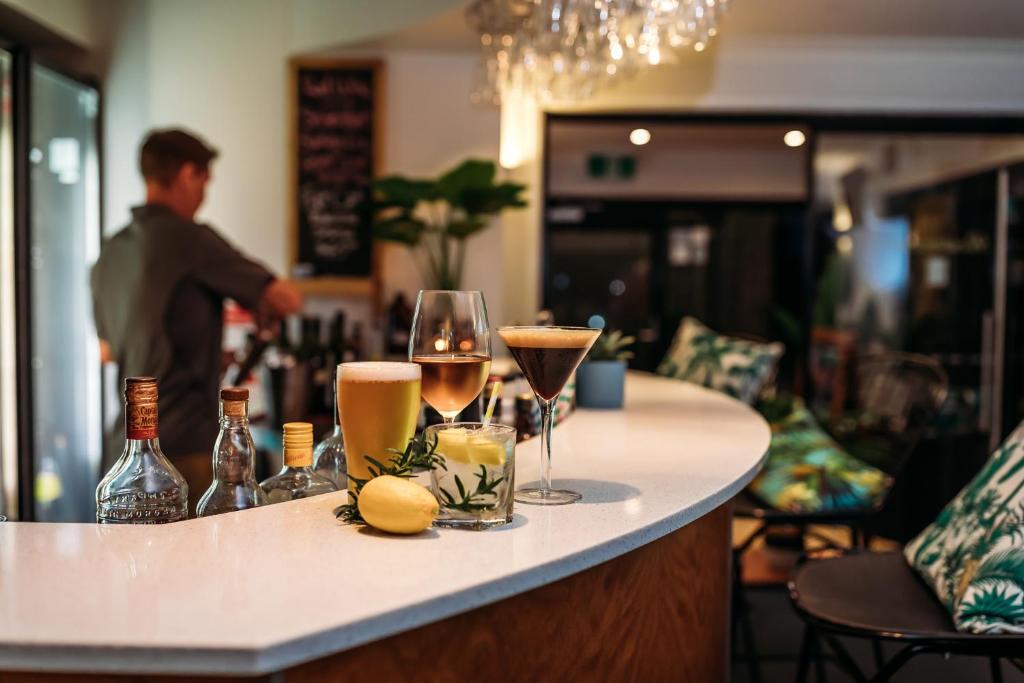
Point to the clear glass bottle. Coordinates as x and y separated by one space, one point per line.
142 487
234 484
297 478
329 455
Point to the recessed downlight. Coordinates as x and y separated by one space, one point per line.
640 136
794 138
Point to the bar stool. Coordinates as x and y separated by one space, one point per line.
878 596
898 395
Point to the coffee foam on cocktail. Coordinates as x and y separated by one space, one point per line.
378 371
548 337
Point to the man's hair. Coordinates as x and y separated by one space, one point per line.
164 152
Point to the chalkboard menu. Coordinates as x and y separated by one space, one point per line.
335 142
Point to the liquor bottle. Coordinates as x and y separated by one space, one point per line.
399 323
336 337
234 484
311 354
297 478
329 455
142 487
354 346
334 351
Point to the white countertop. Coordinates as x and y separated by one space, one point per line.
261 590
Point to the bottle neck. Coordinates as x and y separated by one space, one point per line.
145 450
141 422
142 445
233 421
233 460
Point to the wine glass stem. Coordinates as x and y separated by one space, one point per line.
546 410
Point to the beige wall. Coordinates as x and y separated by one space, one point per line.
220 69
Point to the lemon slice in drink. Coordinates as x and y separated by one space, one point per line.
461 445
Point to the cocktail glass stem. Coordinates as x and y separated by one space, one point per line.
544 494
546 414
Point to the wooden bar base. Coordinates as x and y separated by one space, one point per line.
660 612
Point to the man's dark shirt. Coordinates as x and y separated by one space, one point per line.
158 289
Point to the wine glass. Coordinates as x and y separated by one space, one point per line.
451 342
547 356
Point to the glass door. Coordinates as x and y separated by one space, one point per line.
8 316
65 241
923 254
1013 348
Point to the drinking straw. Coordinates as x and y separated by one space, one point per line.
495 392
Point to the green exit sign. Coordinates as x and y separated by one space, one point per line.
621 167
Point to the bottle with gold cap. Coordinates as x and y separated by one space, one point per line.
234 484
297 478
142 487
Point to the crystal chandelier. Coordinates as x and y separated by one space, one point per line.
564 50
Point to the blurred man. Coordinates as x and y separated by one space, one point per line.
158 292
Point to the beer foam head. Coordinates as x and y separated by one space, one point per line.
378 371
549 337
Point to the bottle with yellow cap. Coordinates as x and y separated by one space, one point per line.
234 484
297 478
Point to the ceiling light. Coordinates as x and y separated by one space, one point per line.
640 136
794 138
545 43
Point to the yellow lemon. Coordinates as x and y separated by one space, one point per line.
486 451
397 505
461 445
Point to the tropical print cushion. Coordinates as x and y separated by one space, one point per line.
972 555
806 471
737 367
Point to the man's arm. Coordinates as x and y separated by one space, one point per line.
106 355
281 298
229 273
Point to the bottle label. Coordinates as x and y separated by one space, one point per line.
298 457
141 420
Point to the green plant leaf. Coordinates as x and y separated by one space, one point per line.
465 227
470 174
402 228
611 346
488 200
403 192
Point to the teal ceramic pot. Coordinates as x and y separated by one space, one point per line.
600 384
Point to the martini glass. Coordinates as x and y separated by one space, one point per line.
547 356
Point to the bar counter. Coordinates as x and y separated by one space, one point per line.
632 582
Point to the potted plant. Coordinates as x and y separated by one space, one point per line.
433 217
601 378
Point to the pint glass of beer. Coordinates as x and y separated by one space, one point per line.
378 405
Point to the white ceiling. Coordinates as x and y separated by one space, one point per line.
981 19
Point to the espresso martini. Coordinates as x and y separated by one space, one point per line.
547 356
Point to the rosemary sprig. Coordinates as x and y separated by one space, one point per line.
469 501
418 454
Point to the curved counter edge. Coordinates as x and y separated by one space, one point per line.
262 658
